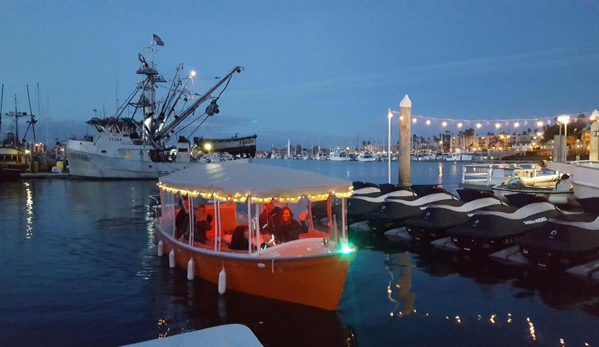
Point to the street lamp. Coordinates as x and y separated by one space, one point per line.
389 116
564 119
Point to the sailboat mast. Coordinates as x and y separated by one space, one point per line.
1 102
32 120
16 122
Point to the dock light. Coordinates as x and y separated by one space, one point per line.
208 147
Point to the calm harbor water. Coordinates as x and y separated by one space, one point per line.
78 266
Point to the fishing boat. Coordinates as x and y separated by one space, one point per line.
15 157
310 270
130 148
244 146
13 162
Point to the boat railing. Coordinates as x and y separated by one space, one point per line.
496 173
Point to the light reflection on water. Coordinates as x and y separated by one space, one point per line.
91 276
29 204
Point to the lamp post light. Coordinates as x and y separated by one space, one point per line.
564 119
389 116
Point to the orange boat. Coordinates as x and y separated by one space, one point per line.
310 270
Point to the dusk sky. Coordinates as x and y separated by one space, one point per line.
316 72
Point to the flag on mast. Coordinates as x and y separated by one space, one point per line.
158 40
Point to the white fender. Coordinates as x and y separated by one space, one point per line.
222 281
171 259
190 269
160 249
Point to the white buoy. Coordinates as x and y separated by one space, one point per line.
160 249
222 281
190 269
171 259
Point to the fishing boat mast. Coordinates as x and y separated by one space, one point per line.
1 103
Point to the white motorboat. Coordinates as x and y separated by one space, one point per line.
125 148
339 155
458 156
584 176
366 157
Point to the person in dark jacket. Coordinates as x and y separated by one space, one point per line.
288 228
203 223
239 238
182 221
269 218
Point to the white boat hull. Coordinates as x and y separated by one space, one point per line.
128 162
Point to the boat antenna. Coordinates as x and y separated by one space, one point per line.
31 122
16 138
1 102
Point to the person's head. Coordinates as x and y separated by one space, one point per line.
269 206
241 232
286 214
201 209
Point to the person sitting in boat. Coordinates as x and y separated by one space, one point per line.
182 220
289 229
269 218
203 223
240 238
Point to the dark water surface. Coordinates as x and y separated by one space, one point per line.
78 267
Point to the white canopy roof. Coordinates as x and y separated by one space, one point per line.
239 178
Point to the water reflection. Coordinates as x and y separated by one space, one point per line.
403 264
196 304
29 211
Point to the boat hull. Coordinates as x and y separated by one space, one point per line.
316 281
236 146
132 162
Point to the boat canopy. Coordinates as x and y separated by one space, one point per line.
236 180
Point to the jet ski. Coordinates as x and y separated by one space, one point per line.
360 205
397 209
490 231
434 222
563 242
